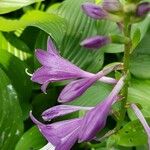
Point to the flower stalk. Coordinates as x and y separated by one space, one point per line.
126 61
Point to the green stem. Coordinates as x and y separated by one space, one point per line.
127 49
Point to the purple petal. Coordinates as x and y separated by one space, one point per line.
61 110
75 89
43 57
56 131
51 47
69 141
112 5
95 119
143 9
142 120
96 42
94 11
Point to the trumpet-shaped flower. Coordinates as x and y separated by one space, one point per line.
55 68
62 135
142 120
95 119
78 87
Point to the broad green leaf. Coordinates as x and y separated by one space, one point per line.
12 44
79 27
50 23
7 6
11 123
140 59
132 134
93 95
142 27
139 92
32 139
15 69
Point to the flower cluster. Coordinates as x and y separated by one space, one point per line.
111 10
62 135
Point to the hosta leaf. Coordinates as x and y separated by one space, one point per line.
12 44
11 123
50 23
132 134
11 5
93 95
15 69
140 59
139 92
32 139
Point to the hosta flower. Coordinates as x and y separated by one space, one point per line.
94 11
61 110
112 5
78 87
95 119
142 120
55 68
96 42
62 135
143 9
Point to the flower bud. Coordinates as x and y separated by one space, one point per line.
95 42
112 5
143 9
94 11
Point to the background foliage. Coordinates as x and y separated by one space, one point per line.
25 26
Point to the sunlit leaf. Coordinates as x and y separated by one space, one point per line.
50 23
7 6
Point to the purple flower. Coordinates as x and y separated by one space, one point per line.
143 9
61 110
94 11
78 87
96 42
95 119
55 68
142 120
62 134
112 5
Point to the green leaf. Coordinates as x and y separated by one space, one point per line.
140 59
93 95
142 27
15 69
11 123
12 5
132 134
139 92
79 27
12 44
136 38
50 23
32 139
